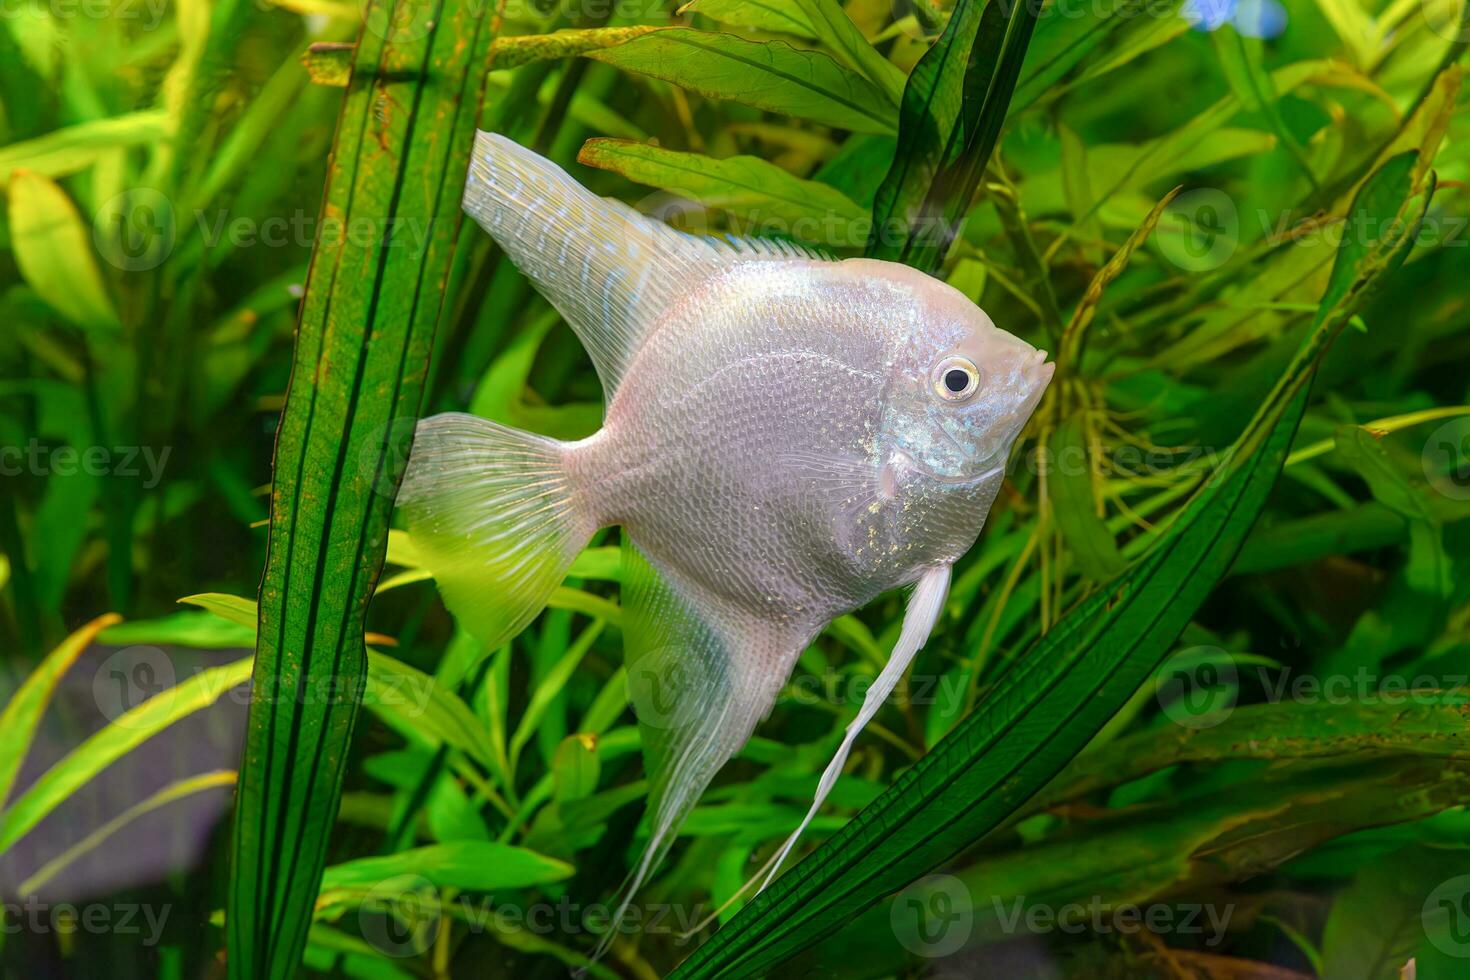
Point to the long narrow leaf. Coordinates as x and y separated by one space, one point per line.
953 107
22 716
398 166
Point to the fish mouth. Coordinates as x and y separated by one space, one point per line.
1038 375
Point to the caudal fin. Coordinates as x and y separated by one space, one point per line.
495 518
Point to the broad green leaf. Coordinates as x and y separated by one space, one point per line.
836 31
1062 43
415 705
362 347
1377 922
778 16
53 248
766 198
1429 568
1047 707
1319 536
22 715
469 865
770 75
953 108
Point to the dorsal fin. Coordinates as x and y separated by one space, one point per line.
607 269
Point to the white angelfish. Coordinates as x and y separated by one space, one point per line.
786 437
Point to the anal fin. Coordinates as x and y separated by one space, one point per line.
700 677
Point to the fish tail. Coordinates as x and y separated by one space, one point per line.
495 516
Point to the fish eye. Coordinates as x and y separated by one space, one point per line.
956 378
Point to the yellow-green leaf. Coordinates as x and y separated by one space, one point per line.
53 248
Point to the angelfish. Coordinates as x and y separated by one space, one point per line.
786 437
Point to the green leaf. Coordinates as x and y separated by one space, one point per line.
768 199
778 16
234 608
551 685
22 716
412 703
839 34
1064 42
1047 707
575 768
398 165
770 75
469 865
328 951
953 108
219 779
185 629
1429 569
328 63
53 248
1243 62
72 148
1421 723
1377 922
1319 536
125 733
512 52
1070 481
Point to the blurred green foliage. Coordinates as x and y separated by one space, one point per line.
1297 769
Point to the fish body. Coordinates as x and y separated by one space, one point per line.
786 437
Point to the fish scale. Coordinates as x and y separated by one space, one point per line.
783 442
